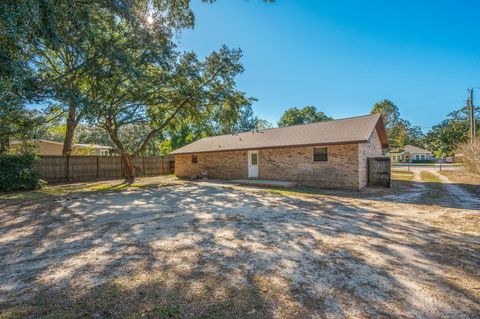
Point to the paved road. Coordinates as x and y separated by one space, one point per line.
437 167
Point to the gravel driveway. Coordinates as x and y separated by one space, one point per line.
215 251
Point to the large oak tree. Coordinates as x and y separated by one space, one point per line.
141 79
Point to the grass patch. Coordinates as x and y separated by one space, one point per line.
59 190
103 186
434 186
299 191
413 164
429 177
402 175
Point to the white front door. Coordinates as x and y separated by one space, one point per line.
252 164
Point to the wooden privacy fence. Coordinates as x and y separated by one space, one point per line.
86 168
379 171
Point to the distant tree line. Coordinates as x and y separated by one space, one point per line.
442 139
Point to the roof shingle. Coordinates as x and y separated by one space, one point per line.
342 131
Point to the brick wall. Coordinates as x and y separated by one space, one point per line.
371 149
296 164
221 165
346 167
288 164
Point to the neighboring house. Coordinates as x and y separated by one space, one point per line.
46 147
410 153
330 154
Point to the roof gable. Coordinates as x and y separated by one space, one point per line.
342 131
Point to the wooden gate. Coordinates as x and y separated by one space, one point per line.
379 171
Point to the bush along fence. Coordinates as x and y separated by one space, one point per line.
88 168
17 172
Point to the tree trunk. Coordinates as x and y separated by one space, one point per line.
128 168
68 140
127 159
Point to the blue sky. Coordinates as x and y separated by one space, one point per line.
342 56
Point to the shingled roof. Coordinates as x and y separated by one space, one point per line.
343 131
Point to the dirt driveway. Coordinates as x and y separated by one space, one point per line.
199 250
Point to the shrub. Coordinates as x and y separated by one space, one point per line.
422 161
16 172
471 156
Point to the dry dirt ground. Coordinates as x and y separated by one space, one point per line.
211 250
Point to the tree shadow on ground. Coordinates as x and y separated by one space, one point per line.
403 192
208 252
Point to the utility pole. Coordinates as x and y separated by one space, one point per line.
473 134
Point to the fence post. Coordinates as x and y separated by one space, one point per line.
121 167
143 166
98 174
67 175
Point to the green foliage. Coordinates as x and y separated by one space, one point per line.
305 115
225 119
46 47
444 138
262 124
235 114
389 111
117 55
145 82
17 173
89 134
399 131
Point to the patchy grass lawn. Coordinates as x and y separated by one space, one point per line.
175 249
402 175
400 179
465 179
429 177
433 187
75 188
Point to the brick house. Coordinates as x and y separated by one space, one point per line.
411 154
330 154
